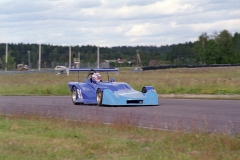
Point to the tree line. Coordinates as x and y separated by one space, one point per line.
217 48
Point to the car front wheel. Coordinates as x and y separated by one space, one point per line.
74 95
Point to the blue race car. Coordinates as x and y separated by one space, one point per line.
96 91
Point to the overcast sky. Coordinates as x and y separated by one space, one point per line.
115 22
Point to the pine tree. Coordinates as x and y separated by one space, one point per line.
211 52
199 47
11 62
224 41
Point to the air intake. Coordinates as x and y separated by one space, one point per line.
134 101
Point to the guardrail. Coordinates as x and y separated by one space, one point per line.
26 72
187 66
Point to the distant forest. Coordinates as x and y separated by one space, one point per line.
217 48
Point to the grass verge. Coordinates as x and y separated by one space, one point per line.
217 81
32 137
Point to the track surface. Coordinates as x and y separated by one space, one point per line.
222 116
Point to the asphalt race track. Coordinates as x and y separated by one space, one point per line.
221 116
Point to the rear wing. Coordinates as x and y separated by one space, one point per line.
94 69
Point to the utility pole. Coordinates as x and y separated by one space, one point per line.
98 57
6 58
79 59
29 61
138 59
39 58
69 57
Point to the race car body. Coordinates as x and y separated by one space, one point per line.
109 92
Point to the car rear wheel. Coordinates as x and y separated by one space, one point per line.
74 95
99 97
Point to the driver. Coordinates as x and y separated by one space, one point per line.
97 77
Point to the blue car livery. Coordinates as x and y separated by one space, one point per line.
109 92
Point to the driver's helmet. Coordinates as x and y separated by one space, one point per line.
97 77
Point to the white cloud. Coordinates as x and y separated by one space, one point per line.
114 23
220 25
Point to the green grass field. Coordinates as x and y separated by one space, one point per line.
219 80
31 137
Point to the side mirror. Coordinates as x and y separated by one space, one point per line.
112 80
144 90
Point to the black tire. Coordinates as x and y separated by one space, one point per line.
99 96
74 95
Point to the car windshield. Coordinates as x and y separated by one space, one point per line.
98 77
